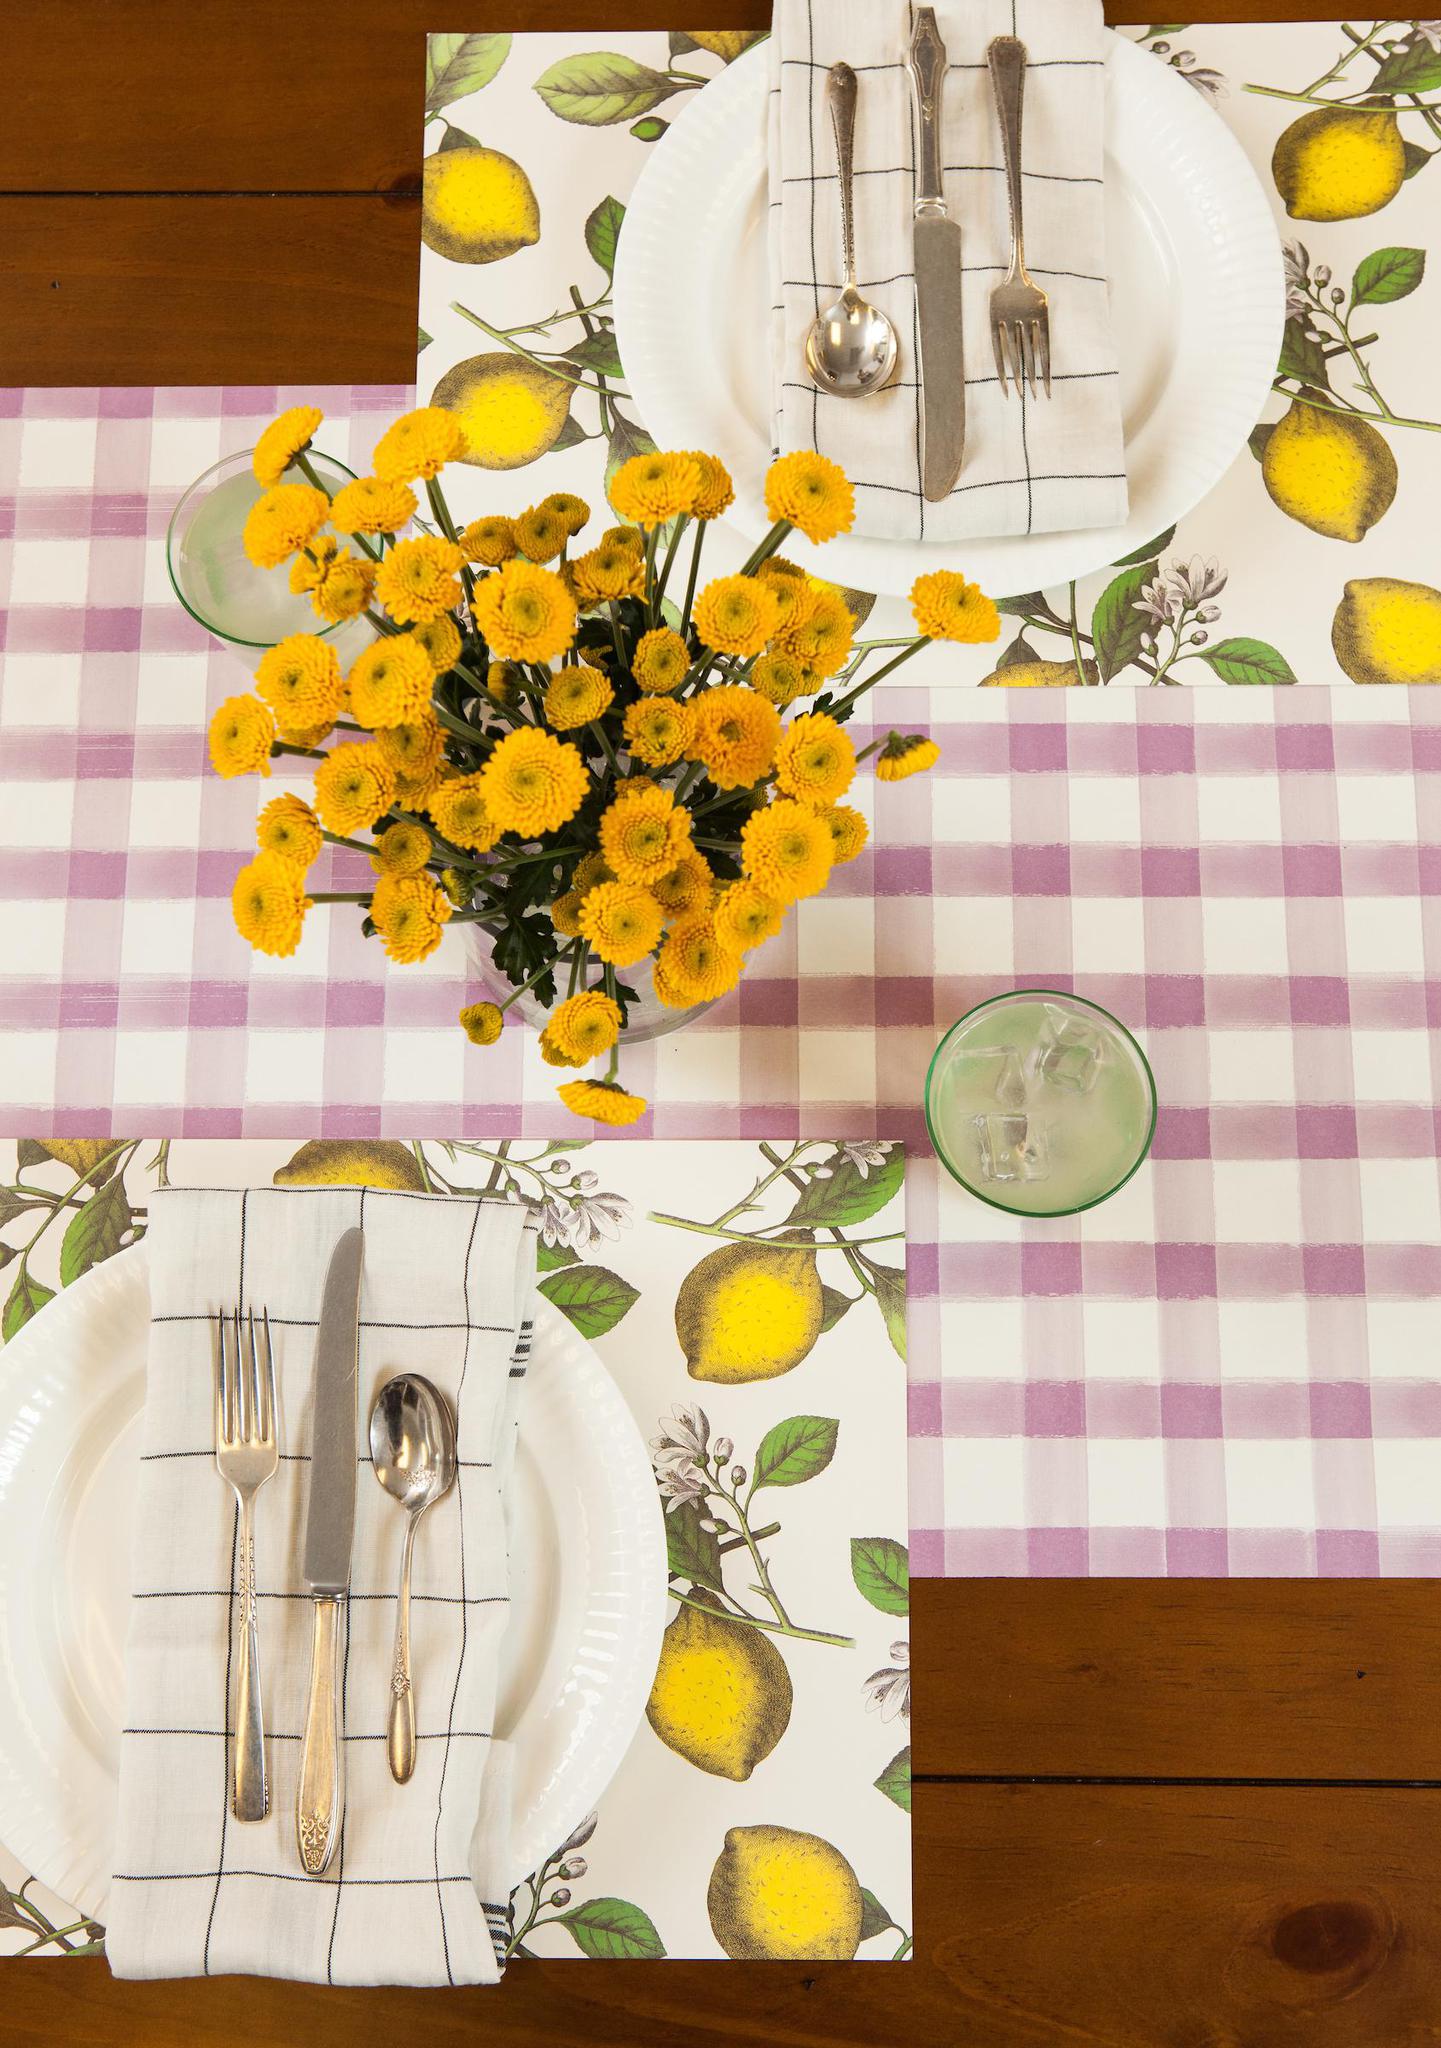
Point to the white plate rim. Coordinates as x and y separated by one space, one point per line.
1176 120
619 1635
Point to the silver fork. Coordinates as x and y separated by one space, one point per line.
246 1456
1020 318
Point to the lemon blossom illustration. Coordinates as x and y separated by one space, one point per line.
601 1928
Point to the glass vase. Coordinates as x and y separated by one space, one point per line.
649 1017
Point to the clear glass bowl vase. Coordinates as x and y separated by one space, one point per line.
649 1017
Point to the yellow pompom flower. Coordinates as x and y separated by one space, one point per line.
734 733
624 537
946 607
745 916
288 828
650 489
643 834
554 1055
299 678
415 748
590 869
717 492
269 904
457 887
848 829
502 683
541 533
606 574
343 588
402 849
419 445
440 637
573 512
821 637
604 1102
811 493
786 849
241 734
575 697
621 922
794 594
410 913
282 441
525 613
418 580
906 754
461 814
688 887
482 1023
657 731
815 761
661 662
281 521
390 683
489 541
371 505
777 678
311 736
736 615
586 1025
354 785
533 782
565 914
694 964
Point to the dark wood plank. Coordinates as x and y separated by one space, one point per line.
1051 1917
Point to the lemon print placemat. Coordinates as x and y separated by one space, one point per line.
749 1300
1313 561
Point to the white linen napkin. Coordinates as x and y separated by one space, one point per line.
416 1890
1034 465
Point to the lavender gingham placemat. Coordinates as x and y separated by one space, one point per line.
1230 1368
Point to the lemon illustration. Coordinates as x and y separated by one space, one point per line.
1038 675
749 1311
478 205
81 1155
722 1694
1338 163
345 1163
779 1896
728 43
1386 631
512 411
1334 474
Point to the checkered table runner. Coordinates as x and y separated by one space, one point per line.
1230 1368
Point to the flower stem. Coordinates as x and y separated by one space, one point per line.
880 675
551 368
773 1628
691 580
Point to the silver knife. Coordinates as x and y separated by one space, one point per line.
938 275
329 1527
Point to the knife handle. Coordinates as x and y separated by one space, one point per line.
321 1799
928 77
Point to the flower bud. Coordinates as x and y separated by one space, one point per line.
574 1867
723 1449
738 1475
1322 273
559 1897
1199 639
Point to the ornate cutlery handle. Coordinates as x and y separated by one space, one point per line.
928 76
841 97
1007 59
321 1799
400 1734
250 1799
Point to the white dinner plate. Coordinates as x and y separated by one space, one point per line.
577 1660
1197 302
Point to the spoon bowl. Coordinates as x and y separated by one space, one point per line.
852 347
412 1448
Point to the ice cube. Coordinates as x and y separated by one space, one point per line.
1069 1054
1012 1148
1011 1088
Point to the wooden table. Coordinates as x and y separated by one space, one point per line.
1153 1814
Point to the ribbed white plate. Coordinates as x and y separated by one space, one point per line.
588 1572
1197 301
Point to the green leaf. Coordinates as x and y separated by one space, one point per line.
459 64
27 1297
1019 651
422 340
1415 157
795 1450
95 1232
456 138
1415 70
650 129
834 1305
895 1779
692 1552
571 435
1303 357
549 1258
602 232
598 352
29 1152
1247 661
681 44
848 1195
599 88
881 1568
1386 275
890 1285
626 439
874 1917
13 1204
603 1928
594 1298
1116 625
1258 437
1022 607
1150 551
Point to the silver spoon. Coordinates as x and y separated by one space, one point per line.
412 1447
852 348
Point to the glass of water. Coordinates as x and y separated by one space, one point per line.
211 573
1040 1103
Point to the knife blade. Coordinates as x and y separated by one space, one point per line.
937 247
329 1529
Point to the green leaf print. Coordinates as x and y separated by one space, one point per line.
895 1779
456 65
1303 357
602 232
874 1917
795 1450
692 1552
881 1568
834 1305
603 1928
1248 661
1387 275
1415 70
1116 625
848 1195
890 1286
594 1298
601 88
27 1297
1150 551
95 1232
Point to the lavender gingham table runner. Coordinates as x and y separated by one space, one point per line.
1230 1368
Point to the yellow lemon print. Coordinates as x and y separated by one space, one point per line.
1334 474
1386 631
779 1896
1038 675
477 205
350 1163
749 1312
722 1694
512 411
81 1155
728 43
1338 163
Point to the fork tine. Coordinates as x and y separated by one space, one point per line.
218 1358
252 1382
239 1418
1043 338
998 345
1028 356
268 1431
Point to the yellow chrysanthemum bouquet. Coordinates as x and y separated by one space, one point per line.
545 741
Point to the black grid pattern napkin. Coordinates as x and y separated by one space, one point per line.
415 1892
1034 465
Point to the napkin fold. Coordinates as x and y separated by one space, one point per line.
1032 465
417 1888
